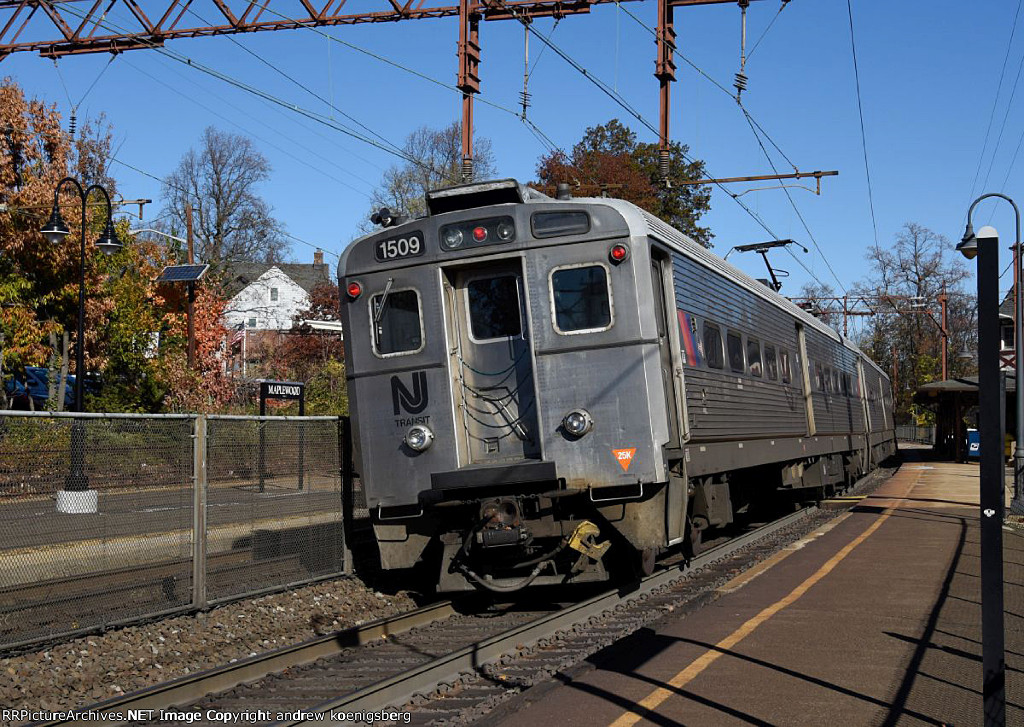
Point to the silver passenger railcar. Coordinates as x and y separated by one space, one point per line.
540 386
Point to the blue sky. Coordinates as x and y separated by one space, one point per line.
929 73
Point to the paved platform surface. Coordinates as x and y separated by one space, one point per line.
874 619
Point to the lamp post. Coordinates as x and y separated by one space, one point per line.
991 422
76 496
1017 505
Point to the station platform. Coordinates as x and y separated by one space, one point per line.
874 619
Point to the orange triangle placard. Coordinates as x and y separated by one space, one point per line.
624 457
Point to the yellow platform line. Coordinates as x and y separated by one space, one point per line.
654 699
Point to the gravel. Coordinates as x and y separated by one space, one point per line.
92 668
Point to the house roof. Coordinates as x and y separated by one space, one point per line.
1006 307
306 275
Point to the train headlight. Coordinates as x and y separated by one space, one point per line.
506 231
452 238
578 422
419 438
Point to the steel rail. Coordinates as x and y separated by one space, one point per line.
397 690
196 686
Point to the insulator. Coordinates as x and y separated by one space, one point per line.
741 82
663 158
524 99
72 124
467 169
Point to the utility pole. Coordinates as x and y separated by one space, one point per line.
191 291
945 333
468 80
665 72
895 373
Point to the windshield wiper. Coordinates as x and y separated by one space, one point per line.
379 311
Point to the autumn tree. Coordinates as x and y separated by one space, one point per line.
39 280
220 179
206 387
609 159
904 285
435 160
126 318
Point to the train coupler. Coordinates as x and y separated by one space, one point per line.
583 541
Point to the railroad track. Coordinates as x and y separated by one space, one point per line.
43 608
439 662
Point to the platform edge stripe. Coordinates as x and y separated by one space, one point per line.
400 688
659 695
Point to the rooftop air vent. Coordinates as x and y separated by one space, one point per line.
475 194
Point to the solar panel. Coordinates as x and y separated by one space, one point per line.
182 273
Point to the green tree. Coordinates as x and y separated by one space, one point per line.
609 159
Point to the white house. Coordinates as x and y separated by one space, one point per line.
266 297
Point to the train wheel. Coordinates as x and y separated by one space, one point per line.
693 545
647 557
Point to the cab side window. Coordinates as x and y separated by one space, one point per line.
580 299
395 323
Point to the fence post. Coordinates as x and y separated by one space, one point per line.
199 449
347 495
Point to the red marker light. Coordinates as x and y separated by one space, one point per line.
354 290
479 234
618 253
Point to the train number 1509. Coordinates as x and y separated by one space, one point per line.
410 245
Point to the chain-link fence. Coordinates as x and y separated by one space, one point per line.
921 435
106 519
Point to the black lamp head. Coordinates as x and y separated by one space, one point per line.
55 230
108 242
968 245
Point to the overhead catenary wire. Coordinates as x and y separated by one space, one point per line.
1002 126
301 85
152 176
995 99
792 202
264 140
708 77
614 95
765 32
320 118
860 111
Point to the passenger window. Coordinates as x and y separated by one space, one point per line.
581 299
398 328
754 357
713 346
734 344
835 381
771 366
493 305
784 365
